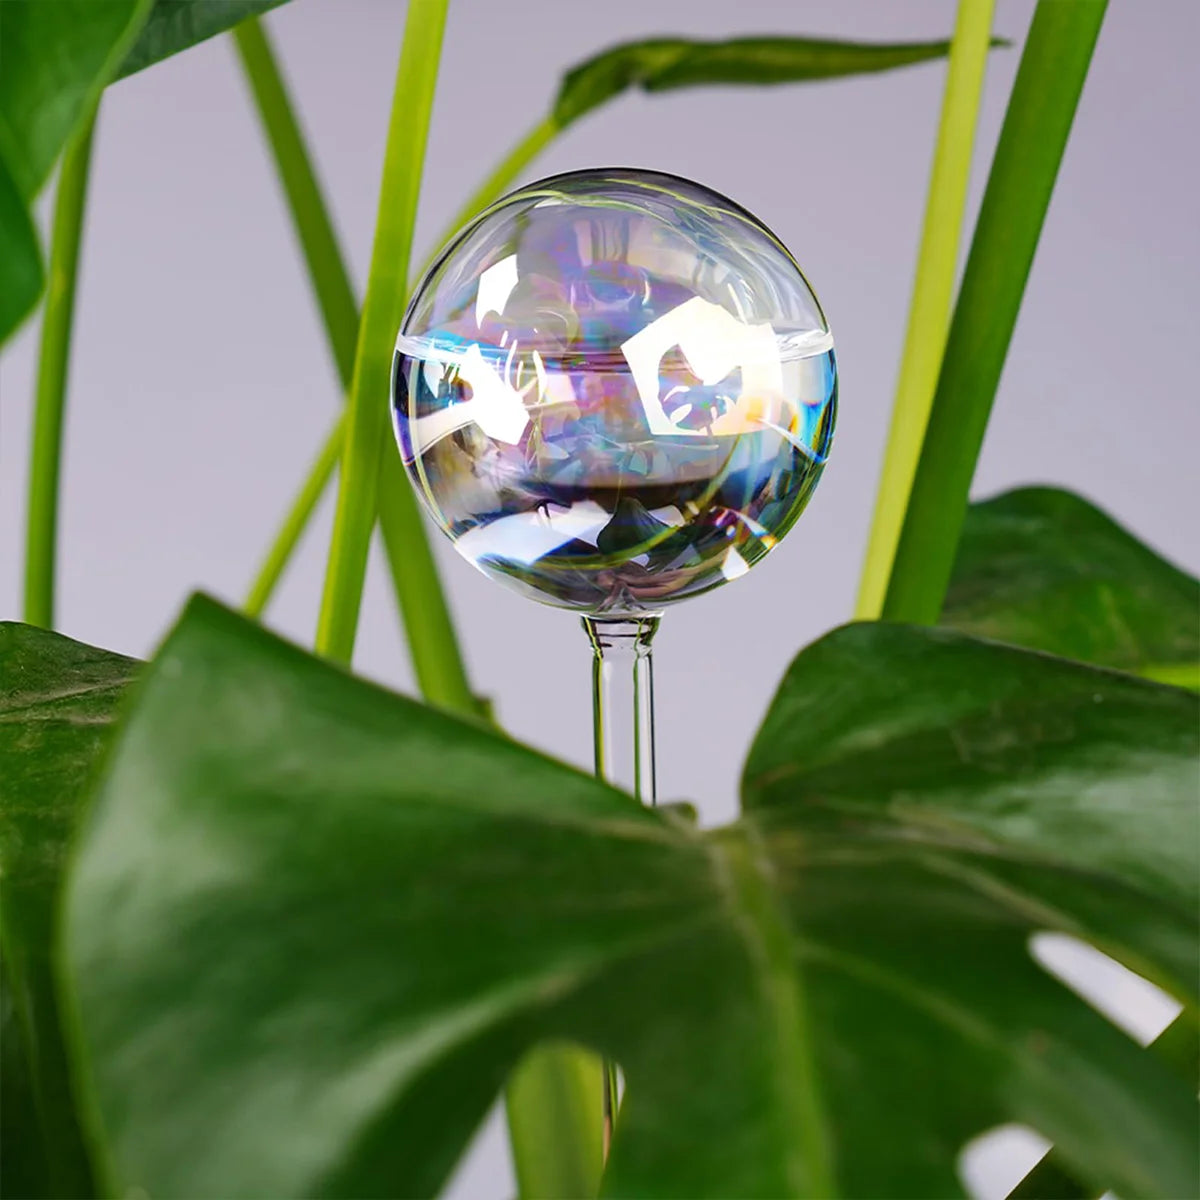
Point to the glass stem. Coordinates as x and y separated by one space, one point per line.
623 702
622 736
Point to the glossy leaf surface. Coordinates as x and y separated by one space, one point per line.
313 925
1043 568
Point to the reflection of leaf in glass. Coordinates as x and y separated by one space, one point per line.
631 526
698 508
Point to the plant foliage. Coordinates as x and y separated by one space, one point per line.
664 64
918 804
1042 567
269 930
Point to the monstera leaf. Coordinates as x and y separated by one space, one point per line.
311 926
57 702
664 64
1043 568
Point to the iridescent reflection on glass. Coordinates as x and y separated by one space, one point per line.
614 390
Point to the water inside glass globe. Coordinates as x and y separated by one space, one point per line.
613 390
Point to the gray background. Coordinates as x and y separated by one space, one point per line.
201 384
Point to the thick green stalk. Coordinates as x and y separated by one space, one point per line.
296 521
933 291
554 1126
326 266
1049 81
366 417
41 545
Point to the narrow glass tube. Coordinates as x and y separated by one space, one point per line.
622 737
623 702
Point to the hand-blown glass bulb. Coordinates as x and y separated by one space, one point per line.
613 390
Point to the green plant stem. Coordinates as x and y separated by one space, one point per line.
933 291
553 1104
1049 81
310 215
296 521
41 546
366 417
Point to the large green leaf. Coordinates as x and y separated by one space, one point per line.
176 25
1043 568
57 700
661 64
55 58
312 925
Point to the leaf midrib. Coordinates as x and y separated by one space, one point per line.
745 878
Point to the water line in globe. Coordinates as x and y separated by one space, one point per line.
622 739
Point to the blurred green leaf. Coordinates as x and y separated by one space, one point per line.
21 273
1179 1046
57 701
311 927
1043 568
661 64
55 59
176 25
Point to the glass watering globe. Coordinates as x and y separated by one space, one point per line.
615 390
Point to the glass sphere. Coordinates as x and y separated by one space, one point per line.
614 389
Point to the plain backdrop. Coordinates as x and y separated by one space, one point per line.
201 383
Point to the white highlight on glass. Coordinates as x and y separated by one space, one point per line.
733 565
495 406
715 343
495 286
